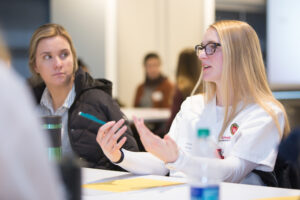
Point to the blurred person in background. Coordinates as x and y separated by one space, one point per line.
187 74
156 91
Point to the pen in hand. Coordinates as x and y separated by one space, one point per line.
91 117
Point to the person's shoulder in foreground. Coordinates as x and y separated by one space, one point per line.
25 171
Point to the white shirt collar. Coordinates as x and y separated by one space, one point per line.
46 100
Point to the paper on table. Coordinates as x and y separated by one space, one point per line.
282 198
125 185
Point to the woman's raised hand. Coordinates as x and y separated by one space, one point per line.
108 136
165 149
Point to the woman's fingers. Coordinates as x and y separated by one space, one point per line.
109 135
119 144
103 130
116 126
147 137
120 132
135 121
165 149
113 142
115 133
140 126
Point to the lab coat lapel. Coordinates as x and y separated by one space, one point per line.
210 115
210 112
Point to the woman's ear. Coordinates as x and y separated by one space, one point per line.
36 69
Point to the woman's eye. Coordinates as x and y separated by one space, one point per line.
64 55
47 57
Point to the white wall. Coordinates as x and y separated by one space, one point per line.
164 26
111 71
138 33
283 31
112 36
85 21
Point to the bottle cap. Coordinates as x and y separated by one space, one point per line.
203 132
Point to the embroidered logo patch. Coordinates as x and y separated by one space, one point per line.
233 128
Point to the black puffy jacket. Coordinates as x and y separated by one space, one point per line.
93 97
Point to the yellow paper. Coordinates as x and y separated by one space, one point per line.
282 198
125 185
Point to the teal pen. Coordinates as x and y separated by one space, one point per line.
91 117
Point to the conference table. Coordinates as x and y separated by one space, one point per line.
108 186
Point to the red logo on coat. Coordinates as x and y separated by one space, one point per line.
233 128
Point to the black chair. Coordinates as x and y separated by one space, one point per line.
287 167
286 172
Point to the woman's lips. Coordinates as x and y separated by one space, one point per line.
206 67
58 74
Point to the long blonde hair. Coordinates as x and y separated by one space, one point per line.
243 76
48 31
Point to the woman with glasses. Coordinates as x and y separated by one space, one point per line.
245 120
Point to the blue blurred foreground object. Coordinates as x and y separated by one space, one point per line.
290 147
287 167
91 117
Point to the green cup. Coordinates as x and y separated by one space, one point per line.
52 125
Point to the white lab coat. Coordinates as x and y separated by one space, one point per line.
255 139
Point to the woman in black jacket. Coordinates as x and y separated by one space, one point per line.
60 88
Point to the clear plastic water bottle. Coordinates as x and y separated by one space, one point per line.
203 187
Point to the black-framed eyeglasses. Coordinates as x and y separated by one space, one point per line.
209 48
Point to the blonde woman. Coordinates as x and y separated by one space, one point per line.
61 88
246 121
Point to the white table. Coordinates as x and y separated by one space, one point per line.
148 114
228 191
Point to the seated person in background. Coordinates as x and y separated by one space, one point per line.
156 91
246 122
25 170
61 88
187 75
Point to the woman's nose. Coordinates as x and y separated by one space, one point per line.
58 62
202 55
